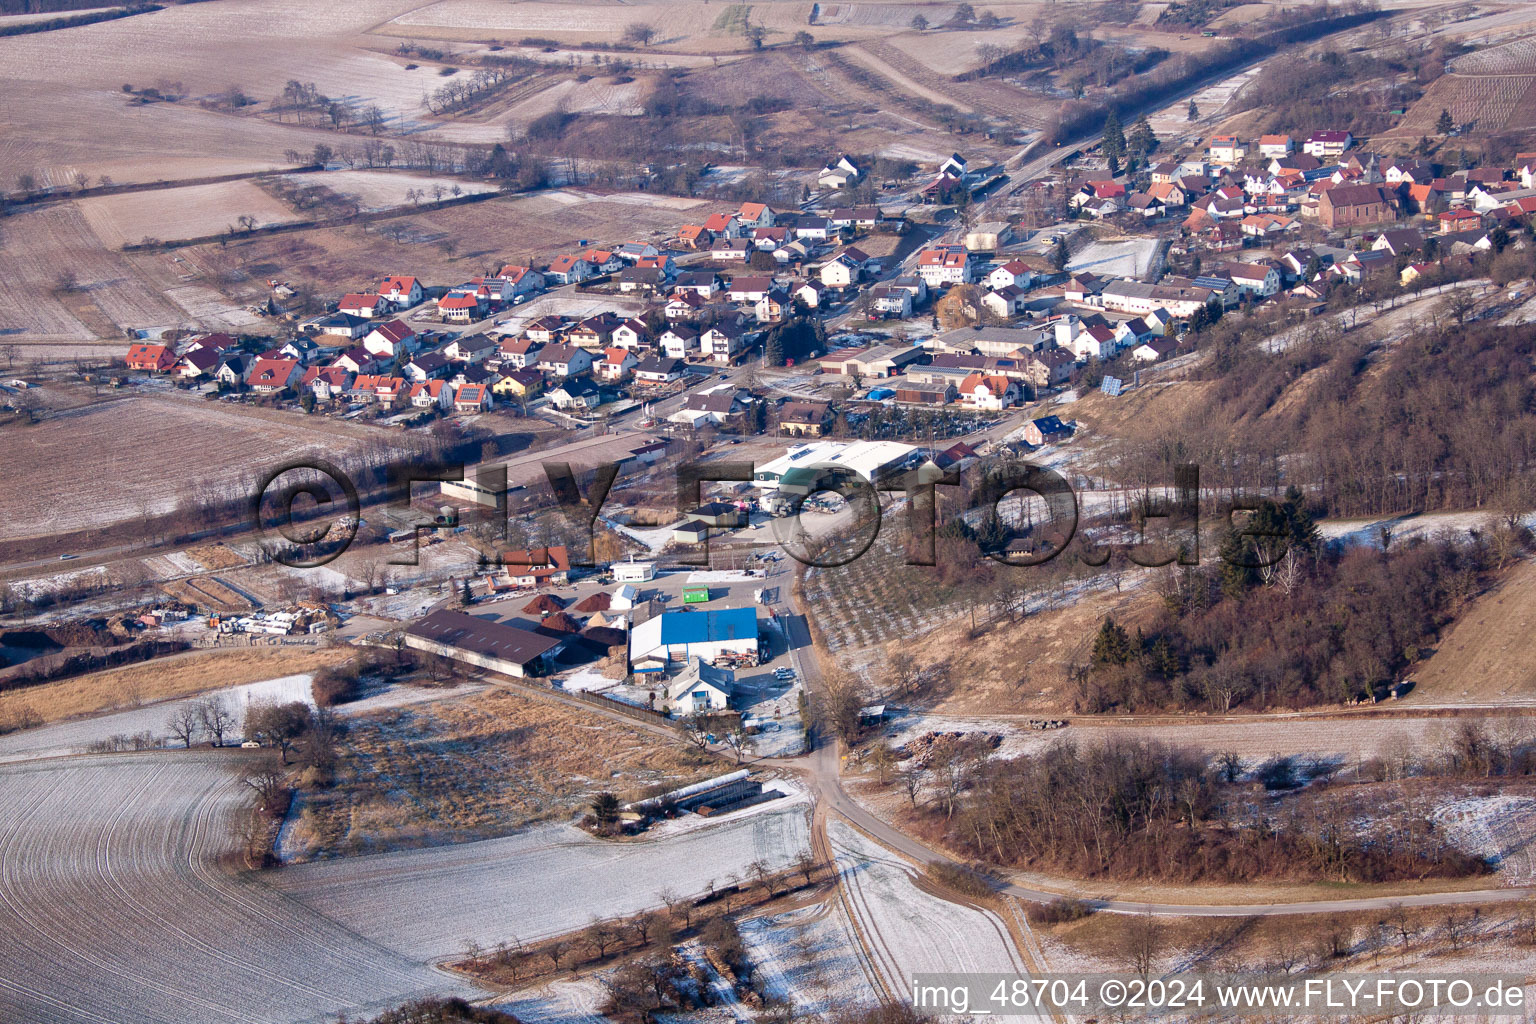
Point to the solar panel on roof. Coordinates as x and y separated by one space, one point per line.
1112 386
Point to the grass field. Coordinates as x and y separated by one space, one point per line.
1486 656
457 770
164 678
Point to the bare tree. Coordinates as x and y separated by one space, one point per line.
1142 941
216 718
182 723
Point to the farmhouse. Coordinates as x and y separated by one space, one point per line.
676 637
483 643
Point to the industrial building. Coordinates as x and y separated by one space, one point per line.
483 643
676 637
806 467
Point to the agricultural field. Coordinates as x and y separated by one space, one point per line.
1488 104
909 930
132 686
116 907
149 721
59 283
540 882
190 212
384 190
474 768
222 448
810 957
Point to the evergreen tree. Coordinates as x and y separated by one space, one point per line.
1114 138
1444 126
465 597
773 347
1142 139
1194 111
1112 646
1059 255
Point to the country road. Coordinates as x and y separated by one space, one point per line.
821 769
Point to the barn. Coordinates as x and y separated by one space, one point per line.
675 637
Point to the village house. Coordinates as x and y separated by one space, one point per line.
678 341
390 339
150 358
892 302
564 360
695 236
1400 241
233 367
431 394
809 293
755 215
576 394
648 280
402 292
272 375
469 348
519 353
472 398
660 370
748 289
200 362
840 271
805 419
569 269
365 306
1013 273
1227 150
731 250
545 329
722 407
839 174
684 306
461 308
989 393
1153 349
944 265
773 307
520 281
702 283
1004 302
602 261
1459 219
425 366
1271 146
616 364
1046 430
723 342
1253 280
595 331
630 333
326 383
359 360
1328 146
518 385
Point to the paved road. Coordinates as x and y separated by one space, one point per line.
821 770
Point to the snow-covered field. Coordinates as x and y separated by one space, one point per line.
908 931
1127 258
381 190
76 736
808 957
548 880
114 910
1498 828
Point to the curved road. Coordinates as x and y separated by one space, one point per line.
821 767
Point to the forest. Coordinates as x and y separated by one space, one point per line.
1150 811
1281 620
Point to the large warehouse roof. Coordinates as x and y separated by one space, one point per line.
683 627
483 637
